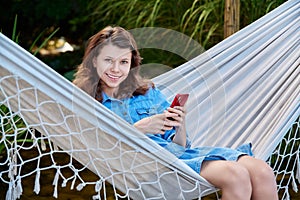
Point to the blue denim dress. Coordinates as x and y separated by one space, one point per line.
154 102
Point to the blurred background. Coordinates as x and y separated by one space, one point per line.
56 30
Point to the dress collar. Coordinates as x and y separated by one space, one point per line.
106 98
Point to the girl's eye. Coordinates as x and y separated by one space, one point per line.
108 60
124 62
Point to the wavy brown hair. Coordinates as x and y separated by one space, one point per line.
87 77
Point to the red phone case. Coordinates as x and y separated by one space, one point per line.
179 100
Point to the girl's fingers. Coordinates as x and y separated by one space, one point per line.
178 115
178 110
162 122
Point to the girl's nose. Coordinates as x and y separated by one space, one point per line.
115 66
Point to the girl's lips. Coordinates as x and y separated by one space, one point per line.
113 76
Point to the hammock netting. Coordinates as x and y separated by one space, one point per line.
245 89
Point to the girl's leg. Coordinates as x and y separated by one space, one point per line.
232 178
262 178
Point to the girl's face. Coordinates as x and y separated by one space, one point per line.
113 65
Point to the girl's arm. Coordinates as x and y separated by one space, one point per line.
156 124
159 123
180 135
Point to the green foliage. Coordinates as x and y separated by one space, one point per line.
15 37
79 19
201 20
13 129
45 41
197 19
37 16
254 9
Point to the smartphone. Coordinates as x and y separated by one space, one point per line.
179 100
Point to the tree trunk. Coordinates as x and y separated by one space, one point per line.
231 17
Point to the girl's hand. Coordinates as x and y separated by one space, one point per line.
180 114
180 136
158 123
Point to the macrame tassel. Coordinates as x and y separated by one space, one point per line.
9 191
294 184
96 197
64 183
14 162
55 183
80 186
98 186
37 182
19 189
298 168
73 182
287 193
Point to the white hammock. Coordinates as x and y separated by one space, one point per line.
245 89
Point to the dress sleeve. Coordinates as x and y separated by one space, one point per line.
160 99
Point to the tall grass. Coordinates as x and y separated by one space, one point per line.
15 37
188 17
200 19
254 9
